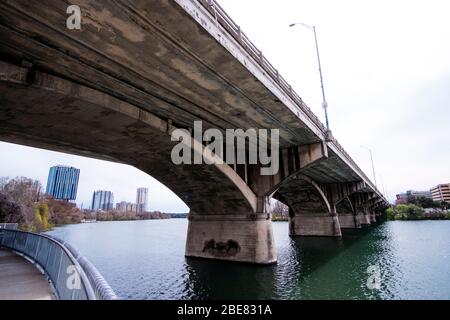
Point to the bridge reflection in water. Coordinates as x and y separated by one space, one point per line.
308 268
144 260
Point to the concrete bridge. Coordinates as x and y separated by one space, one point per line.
137 70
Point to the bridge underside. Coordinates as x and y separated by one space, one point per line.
137 70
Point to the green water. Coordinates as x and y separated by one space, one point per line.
145 260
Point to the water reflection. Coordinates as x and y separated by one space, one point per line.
222 280
145 260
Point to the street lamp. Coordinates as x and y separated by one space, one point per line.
373 168
324 101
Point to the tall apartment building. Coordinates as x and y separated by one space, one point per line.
62 182
441 192
124 206
142 199
102 200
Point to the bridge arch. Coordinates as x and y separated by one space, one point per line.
61 115
310 211
43 110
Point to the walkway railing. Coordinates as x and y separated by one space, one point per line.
11 226
72 276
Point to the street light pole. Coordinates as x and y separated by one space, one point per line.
373 167
382 185
324 101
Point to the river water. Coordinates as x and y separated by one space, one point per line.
394 260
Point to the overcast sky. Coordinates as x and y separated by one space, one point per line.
386 67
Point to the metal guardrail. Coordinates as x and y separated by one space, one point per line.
235 31
72 276
10 226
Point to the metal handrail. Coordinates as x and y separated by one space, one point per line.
73 277
235 31
10 226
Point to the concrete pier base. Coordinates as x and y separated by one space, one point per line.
349 221
234 238
364 219
318 225
373 218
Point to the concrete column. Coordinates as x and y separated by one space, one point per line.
234 238
314 225
373 218
349 221
363 219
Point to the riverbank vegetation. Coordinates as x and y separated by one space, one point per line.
114 215
22 201
419 208
279 211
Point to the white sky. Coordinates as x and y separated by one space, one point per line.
386 67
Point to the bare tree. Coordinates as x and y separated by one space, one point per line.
279 208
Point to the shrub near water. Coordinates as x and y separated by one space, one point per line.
22 202
405 212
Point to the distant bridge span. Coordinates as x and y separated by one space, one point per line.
137 70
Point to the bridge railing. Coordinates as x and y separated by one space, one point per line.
235 31
72 276
353 163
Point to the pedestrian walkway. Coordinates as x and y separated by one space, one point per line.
21 280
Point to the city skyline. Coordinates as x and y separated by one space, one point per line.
94 175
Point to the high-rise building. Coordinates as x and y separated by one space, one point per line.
142 199
62 183
441 192
102 200
126 207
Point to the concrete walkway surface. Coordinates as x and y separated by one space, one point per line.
21 280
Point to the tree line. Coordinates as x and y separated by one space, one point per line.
23 201
416 207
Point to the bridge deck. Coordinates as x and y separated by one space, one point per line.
21 280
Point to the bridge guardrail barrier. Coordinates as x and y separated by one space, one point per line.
235 31
72 276
213 7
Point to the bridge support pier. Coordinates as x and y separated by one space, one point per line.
314 225
349 221
373 218
234 238
364 218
